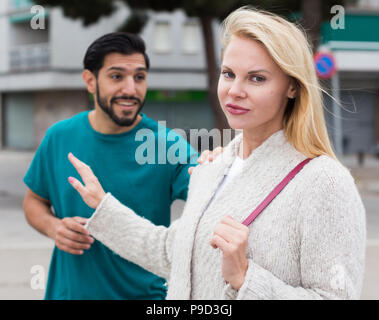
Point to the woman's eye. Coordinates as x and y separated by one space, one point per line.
227 74
257 79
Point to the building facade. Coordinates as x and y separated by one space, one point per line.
40 71
355 47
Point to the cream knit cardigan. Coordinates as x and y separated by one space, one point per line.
309 243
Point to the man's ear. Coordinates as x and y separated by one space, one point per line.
90 81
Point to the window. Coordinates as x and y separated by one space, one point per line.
162 43
191 37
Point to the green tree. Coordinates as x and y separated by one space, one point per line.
90 11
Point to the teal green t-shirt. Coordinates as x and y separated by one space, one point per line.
124 165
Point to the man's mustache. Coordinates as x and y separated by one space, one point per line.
114 99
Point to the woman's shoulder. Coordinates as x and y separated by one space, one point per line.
329 167
326 173
221 162
330 188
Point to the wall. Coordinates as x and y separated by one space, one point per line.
69 40
4 37
53 106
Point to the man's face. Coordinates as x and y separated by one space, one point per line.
121 87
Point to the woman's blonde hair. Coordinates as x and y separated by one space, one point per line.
304 122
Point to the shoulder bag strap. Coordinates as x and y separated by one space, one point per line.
275 192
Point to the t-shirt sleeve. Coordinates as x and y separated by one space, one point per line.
36 178
181 176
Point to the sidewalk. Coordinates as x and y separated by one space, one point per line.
21 247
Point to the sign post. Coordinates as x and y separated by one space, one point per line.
326 69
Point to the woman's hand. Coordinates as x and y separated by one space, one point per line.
92 193
231 237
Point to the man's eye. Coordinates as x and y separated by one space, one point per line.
227 74
140 77
116 77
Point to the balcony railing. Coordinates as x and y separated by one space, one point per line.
30 57
20 4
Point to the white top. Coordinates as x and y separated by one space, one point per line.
309 243
234 170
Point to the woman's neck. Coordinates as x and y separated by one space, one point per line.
252 140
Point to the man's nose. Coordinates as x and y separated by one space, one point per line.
129 87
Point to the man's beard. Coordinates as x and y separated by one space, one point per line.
109 110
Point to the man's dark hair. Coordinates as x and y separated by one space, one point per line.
116 42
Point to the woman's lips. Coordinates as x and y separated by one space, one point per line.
235 109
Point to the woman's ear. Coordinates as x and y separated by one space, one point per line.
292 89
90 81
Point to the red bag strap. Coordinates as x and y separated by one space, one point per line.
275 192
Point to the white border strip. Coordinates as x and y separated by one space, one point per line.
372 242
356 45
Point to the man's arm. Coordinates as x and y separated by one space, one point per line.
68 234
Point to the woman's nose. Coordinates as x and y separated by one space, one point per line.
237 90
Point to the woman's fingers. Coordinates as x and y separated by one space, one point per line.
228 233
84 170
233 233
218 242
91 192
229 220
231 237
77 185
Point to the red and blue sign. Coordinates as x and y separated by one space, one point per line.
325 65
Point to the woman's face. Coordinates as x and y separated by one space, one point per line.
253 91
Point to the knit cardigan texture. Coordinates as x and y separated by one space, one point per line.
309 242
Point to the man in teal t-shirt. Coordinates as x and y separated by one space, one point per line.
108 140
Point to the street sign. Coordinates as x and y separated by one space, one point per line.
325 65
326 69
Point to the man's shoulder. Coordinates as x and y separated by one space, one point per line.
149 123
172 141
67 125
161 130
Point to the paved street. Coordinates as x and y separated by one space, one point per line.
22 248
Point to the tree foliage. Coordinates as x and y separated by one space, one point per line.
90 11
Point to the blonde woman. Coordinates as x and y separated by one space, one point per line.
308 243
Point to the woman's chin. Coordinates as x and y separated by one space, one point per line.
236 125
